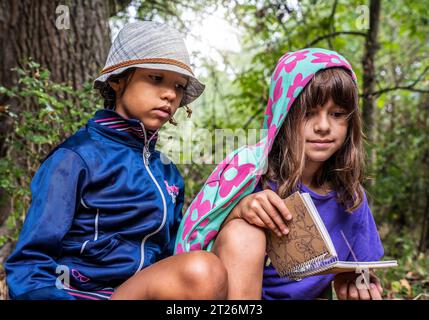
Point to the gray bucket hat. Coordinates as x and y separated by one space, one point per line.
151 45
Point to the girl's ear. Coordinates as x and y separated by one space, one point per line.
117 85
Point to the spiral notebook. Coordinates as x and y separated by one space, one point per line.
308 249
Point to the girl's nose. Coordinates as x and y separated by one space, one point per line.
322 123
168 93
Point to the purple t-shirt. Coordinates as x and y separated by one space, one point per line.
360 230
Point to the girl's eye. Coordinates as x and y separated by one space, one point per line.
309 114
338 114
156 78
180 86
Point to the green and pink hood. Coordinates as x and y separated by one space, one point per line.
239 173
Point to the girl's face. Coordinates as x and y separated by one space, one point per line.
324 131
151 96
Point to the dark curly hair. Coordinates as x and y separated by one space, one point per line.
107 92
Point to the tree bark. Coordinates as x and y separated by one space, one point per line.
72 55
424 235
369 74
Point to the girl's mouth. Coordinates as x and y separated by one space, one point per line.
321 144
162 112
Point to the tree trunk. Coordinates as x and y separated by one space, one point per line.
424 235
368 86
369 74
73 53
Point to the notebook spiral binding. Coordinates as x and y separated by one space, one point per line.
317 264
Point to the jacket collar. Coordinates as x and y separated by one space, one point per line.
128 131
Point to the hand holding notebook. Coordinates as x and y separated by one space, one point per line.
308 249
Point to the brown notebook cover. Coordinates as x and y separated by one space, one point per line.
308 249
303 243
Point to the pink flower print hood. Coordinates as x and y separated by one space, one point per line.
239 173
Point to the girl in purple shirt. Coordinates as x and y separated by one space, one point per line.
318 149
314 143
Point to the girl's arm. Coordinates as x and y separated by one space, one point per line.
264 209
55 191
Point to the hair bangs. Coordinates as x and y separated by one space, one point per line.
333 83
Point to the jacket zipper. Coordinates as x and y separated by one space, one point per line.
146 156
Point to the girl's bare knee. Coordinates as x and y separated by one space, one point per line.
206 276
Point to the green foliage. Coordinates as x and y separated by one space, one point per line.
170 12
48 113
401 170
410 280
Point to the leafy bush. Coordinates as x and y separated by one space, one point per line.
410 280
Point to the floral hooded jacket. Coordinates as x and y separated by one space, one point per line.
239 173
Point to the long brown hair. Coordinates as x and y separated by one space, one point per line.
344 170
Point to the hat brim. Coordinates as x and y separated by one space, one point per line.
193 89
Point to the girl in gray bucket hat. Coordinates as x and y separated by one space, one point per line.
148 45
105 209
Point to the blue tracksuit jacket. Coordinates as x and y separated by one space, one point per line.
105 204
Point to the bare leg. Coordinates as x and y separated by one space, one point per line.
241 247
194 275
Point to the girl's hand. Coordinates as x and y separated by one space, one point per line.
264 209
346 289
